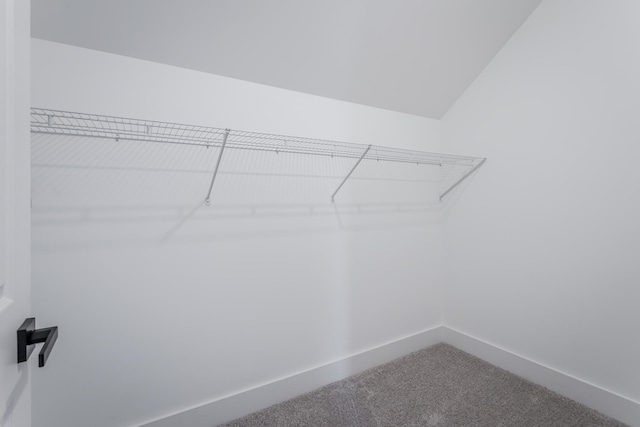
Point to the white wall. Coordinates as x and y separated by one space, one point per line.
163 305
542 248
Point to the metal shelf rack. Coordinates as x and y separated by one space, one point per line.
452 169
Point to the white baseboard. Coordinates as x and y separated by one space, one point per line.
602 400
244 402
230 407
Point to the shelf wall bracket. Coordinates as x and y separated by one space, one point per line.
207 200
465 176
349 174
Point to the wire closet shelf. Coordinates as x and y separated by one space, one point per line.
454 168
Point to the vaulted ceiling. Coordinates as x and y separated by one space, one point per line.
412 56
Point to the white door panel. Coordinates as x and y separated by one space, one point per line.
15 297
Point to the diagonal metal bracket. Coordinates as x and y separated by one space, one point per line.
207 200
443 195
349 174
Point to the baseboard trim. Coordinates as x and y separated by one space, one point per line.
244 402
598 398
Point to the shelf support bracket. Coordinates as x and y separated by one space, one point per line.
443 195
207 200
349 174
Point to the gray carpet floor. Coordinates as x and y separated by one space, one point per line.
437 386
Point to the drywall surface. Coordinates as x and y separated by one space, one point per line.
163 303
542 248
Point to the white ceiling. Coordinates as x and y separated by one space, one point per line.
413 56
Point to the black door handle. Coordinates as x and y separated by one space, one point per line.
29 336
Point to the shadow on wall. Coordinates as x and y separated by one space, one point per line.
104 228
91 194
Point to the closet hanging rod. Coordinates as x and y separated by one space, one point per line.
47 121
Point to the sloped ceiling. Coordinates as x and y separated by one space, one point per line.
412 56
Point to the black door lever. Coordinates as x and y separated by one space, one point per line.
29 336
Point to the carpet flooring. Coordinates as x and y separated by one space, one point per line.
437 386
